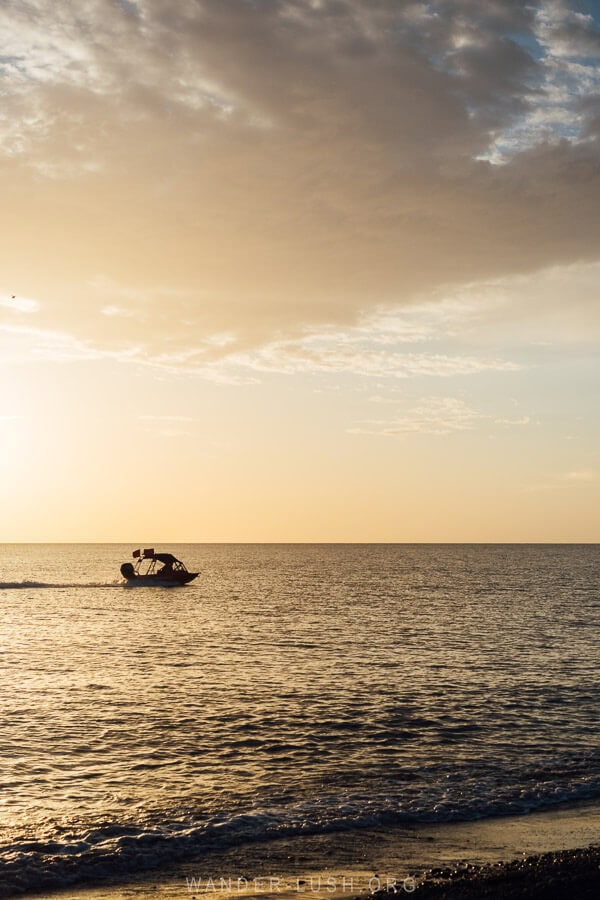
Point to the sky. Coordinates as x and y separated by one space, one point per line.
299 270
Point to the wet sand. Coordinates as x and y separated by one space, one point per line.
543 855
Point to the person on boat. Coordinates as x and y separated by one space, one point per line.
167 568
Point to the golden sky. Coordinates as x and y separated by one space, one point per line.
294 270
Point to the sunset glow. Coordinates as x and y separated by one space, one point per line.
290 270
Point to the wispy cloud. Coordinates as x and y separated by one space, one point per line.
300 357
167 426
518 420
433 415
566 480
117 311
580 475
15 304
22 345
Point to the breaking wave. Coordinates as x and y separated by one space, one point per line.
121 850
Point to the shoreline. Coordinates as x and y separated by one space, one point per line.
550 876
547 850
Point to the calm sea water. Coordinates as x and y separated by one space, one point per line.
290 689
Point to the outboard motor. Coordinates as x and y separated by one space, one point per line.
127 571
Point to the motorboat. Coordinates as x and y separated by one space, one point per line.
157 569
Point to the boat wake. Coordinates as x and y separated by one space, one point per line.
34 585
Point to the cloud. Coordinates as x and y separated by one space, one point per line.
576 478
253 169
566 31
19 344
167 426
555 306
433 415
299 357
502 325
518 420
580 475
565 43
16 304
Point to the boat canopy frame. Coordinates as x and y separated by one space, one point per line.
169 562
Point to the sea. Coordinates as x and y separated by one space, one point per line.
290 690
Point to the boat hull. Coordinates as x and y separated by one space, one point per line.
177 579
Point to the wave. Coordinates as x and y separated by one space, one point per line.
123 850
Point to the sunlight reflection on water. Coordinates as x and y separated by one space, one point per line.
300 686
